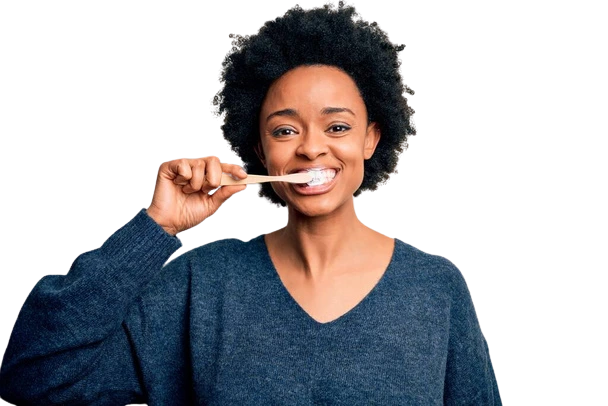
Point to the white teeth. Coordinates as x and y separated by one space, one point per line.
321 176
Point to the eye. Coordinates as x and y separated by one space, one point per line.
338 128
283 132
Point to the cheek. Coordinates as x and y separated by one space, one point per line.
274 165
275 159
277 163
351 153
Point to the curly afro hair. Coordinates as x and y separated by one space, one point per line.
321 36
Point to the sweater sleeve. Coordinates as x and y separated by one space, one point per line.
69 344
469 378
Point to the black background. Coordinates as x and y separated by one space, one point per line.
109 91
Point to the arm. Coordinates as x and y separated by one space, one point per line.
69 344
469 377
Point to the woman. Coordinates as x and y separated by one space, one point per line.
322 311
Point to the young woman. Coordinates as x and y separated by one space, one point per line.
323 311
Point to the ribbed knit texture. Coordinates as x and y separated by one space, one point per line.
216 326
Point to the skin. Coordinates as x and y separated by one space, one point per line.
327 259
181 197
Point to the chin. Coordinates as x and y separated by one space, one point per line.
314 206
311 211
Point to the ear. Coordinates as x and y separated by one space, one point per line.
260 153
372 136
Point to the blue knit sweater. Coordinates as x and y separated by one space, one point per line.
216 326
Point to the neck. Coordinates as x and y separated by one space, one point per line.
321 245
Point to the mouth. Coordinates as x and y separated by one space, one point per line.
322 180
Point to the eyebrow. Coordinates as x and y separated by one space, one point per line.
285 112
332 110
325 111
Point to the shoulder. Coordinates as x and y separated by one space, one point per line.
210 265
430 268
229 251
226 259
432 280
224 254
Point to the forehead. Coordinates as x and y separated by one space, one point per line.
313 87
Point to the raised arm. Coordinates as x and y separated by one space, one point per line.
72 343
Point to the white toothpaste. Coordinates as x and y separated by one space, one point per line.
321 176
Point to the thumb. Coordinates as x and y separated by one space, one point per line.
222 194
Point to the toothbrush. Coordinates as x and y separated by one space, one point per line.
301 177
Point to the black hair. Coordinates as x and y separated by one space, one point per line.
330 35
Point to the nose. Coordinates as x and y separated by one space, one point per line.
313 144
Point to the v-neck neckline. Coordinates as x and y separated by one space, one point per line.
345 316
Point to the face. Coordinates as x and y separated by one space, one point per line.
314 117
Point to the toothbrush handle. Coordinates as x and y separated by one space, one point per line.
250 179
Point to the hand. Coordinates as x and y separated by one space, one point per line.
181 198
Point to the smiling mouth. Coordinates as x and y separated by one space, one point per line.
320 176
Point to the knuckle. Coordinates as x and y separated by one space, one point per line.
212 181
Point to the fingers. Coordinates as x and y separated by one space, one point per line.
213 174
181 198
235 170
202 174
223 193
180 171
198 178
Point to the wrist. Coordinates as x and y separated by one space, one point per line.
157 218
